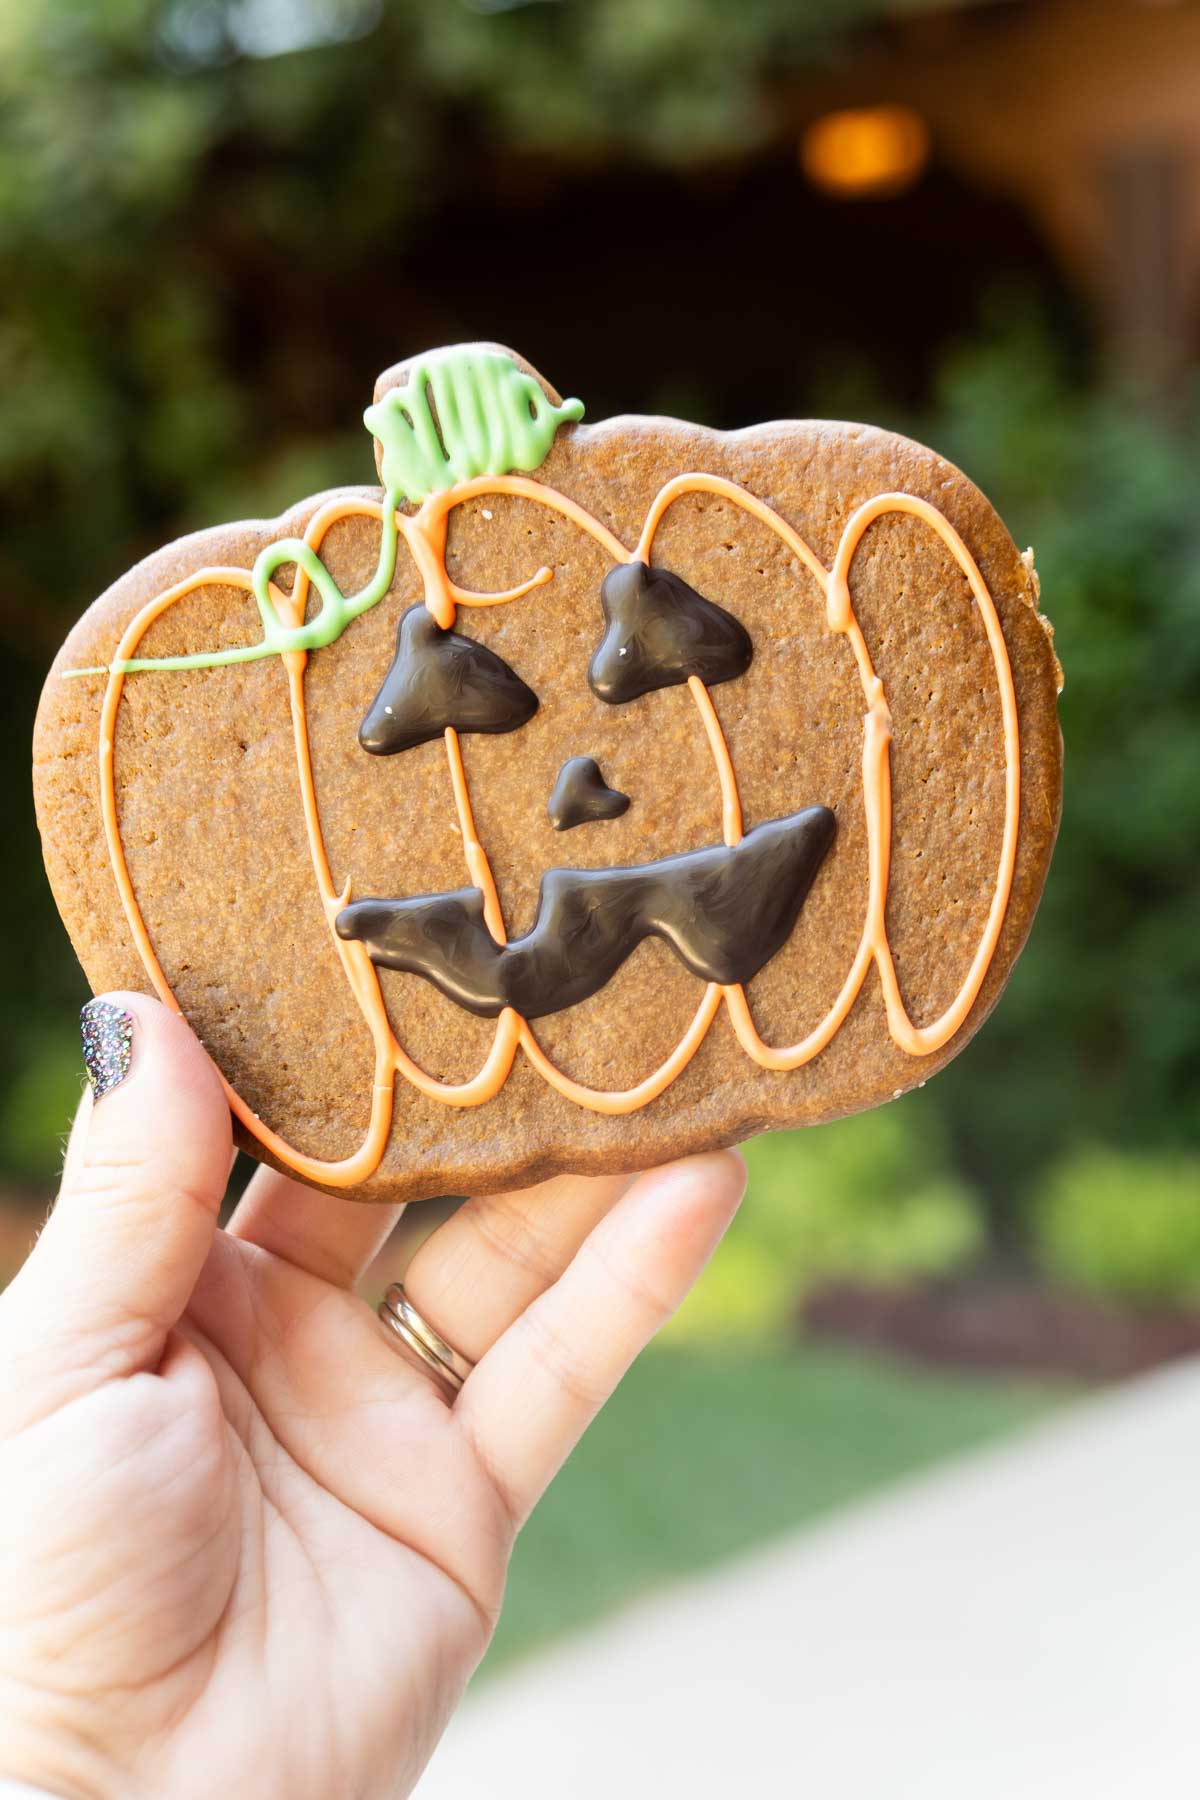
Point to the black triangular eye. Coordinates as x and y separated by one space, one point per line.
660 631
441 678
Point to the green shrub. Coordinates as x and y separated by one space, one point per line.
1123 1223
869 1197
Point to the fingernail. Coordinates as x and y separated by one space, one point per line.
107 1032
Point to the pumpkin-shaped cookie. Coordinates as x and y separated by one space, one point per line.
582 796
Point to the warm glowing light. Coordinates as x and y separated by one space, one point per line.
865 151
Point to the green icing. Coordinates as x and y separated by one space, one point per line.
491 418
337 609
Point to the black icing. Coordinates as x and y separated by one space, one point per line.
581 795
723 911
659 631
441 678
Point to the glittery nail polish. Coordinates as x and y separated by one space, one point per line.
107 1044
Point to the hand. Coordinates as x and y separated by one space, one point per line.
246 1547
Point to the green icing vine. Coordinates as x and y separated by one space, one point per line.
491 418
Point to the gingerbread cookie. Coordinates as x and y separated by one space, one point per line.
583 796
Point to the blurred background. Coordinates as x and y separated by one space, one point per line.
977 223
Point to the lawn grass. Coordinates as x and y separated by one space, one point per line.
706 1451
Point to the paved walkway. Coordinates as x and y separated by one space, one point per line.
1022 1625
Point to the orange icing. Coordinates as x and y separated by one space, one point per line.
877 783
425 534
731 804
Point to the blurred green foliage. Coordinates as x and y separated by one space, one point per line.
1098 1038
874 1197
1123 1223
205 214
39 1103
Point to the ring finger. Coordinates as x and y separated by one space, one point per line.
470 1280
480 1270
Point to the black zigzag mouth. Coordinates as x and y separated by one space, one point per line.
724 911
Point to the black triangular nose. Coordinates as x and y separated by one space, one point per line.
582 795
441 678
660 631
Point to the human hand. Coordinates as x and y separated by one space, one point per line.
247 1547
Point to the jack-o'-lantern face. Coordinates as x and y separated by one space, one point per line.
724 910
458 435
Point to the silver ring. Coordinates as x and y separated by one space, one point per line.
441 1359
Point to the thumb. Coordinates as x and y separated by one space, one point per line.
145 1173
